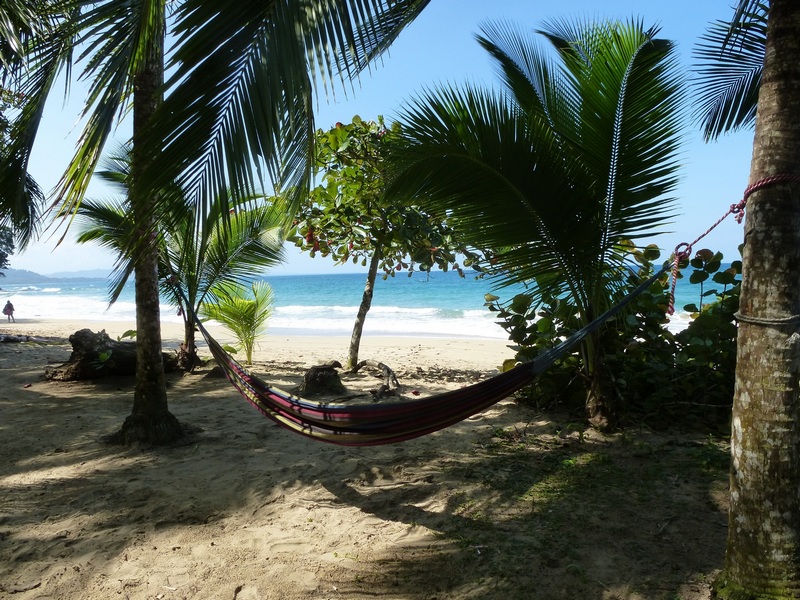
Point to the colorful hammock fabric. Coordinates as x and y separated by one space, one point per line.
385 423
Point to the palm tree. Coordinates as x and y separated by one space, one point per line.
205 263
243 310
576 154
197 254
234 116
761 559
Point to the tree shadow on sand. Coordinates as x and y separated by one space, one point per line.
546 517
507 505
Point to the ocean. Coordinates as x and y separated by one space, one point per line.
437 305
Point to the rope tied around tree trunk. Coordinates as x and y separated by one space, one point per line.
684 250
767 321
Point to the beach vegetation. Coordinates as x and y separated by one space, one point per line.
220 97
244 310
660 378
205 258
348 218
577 153
200 256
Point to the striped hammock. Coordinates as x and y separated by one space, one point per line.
385 423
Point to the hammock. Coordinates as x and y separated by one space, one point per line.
385 423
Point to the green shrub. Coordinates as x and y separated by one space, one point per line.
656 377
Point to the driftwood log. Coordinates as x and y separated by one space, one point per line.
95 355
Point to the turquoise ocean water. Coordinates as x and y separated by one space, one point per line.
435 305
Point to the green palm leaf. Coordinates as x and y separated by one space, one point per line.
730 57
196 255
575 156
243 310
238 105
32 77
254 78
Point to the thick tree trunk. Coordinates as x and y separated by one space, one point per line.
150 420
363 309
763 549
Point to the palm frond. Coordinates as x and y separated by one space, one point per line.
244 310
730 58
470 155
528 72
22 203
238 115
23 22
377 24
105 221
21 214
114 37
578 153
251 245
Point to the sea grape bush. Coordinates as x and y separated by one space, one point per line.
708 344
347 218
656 376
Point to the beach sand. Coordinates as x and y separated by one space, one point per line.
511 503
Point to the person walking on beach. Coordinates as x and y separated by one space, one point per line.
8 310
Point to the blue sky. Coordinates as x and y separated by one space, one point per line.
439 47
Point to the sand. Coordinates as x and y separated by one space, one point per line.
504 505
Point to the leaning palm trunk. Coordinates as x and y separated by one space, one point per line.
150 420
763 557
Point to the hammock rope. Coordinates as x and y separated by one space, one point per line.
683 250
389 422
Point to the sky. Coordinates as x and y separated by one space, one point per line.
440 48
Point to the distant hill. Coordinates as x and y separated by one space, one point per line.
24 276
87 274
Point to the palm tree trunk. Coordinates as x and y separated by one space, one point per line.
763 548
599 408
188 359
363 309
150 420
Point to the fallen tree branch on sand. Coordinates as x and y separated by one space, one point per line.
8 338
95 355
390 382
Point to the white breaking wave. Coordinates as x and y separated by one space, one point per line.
439 316
385 320
285 320
29 305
